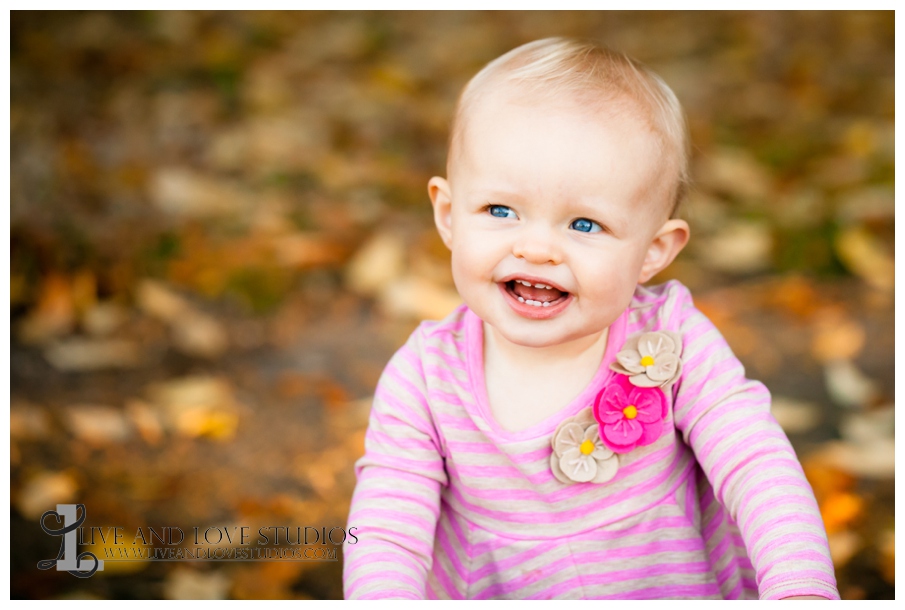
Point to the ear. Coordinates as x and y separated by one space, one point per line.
665 246
441 199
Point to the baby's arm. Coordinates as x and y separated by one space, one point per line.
751 465
397 498
805 597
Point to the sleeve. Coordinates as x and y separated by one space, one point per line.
396 501
755 474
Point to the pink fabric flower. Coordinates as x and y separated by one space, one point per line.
629 416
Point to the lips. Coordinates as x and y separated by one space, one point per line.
534 298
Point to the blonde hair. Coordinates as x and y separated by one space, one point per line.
591 76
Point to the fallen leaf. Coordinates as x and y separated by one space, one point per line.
292 385
378 262
795 416
867 426
837 338
80 354
271 580
795 295
847 386
287 142
843 546
825 478
310 510
734 172
861 138
705 212
306 250
28 421
870 204
800 209
875 460
43 492
193 332
104 318
742 246
146 420
418 298
218 425
355 443
323 481
186 583
54 314
351 417
436 270
841 171
271 216
840 509
865 256
198 334
197 406
331 393
186 193
97 424
84 291
158 300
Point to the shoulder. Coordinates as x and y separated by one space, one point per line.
452 326
663 306
660 294
436 338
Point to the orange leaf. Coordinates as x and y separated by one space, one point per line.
839 510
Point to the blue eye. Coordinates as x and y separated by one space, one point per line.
585 226
501 211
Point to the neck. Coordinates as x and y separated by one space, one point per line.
576 354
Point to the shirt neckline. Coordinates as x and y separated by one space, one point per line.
474 355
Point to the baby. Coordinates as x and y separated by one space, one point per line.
568 432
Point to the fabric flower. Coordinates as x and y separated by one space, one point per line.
629 416
651 359
579 455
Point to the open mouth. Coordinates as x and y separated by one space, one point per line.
535 294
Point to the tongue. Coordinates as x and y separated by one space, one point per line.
536 294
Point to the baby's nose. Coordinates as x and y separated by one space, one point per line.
538 246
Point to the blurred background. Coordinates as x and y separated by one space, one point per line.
220 233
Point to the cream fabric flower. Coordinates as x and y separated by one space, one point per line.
651 359
579 455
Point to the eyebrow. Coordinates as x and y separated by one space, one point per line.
496 193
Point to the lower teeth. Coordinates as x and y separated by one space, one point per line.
534 303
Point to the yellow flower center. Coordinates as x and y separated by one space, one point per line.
587 447
630 412
647 361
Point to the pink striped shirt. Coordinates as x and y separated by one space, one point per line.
450 505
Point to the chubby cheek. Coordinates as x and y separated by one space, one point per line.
466 270
609 286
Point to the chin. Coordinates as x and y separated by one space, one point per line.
532 336
530 342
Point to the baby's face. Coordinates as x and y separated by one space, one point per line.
551 217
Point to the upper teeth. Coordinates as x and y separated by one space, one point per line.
529 284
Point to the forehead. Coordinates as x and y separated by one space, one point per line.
593 102
553 147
